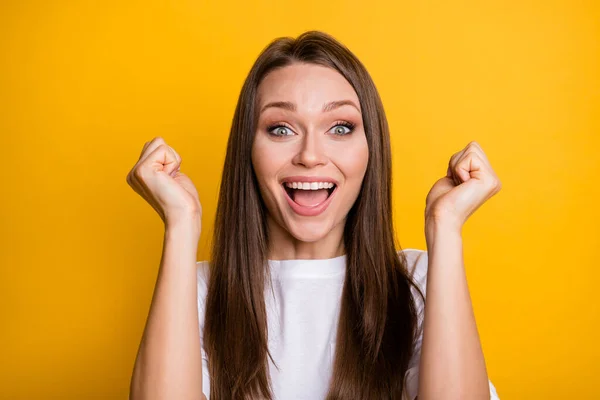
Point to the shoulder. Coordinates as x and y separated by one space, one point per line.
416 263
202 268
202 275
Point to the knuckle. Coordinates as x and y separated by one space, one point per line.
495 183
176 153
138 172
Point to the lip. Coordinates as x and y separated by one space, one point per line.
303 210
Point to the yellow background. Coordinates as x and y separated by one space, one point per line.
84 84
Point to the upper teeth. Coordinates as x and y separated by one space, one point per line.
310 185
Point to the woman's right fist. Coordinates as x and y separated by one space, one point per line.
158 179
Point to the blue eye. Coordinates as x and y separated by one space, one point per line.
338 129
343 124
284 131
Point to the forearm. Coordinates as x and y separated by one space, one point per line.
169 361
452 364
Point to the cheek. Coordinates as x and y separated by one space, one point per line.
352 161
266 160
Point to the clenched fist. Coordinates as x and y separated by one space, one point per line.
157 178
469 182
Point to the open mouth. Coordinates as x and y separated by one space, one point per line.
310 195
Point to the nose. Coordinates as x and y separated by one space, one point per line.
310 154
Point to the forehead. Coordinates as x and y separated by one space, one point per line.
308 85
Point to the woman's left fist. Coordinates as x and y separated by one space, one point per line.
469 182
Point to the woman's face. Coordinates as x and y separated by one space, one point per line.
310 151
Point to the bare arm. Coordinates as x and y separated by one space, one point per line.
169 361
452 364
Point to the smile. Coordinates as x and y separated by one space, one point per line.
309 198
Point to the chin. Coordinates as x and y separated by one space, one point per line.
309 231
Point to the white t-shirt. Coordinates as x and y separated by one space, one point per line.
302 315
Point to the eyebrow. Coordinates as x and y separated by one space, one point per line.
288 105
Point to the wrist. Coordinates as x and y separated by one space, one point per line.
437 228
188 224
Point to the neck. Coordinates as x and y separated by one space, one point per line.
284 246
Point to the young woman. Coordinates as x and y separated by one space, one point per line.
306 295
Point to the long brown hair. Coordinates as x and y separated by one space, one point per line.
378 315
